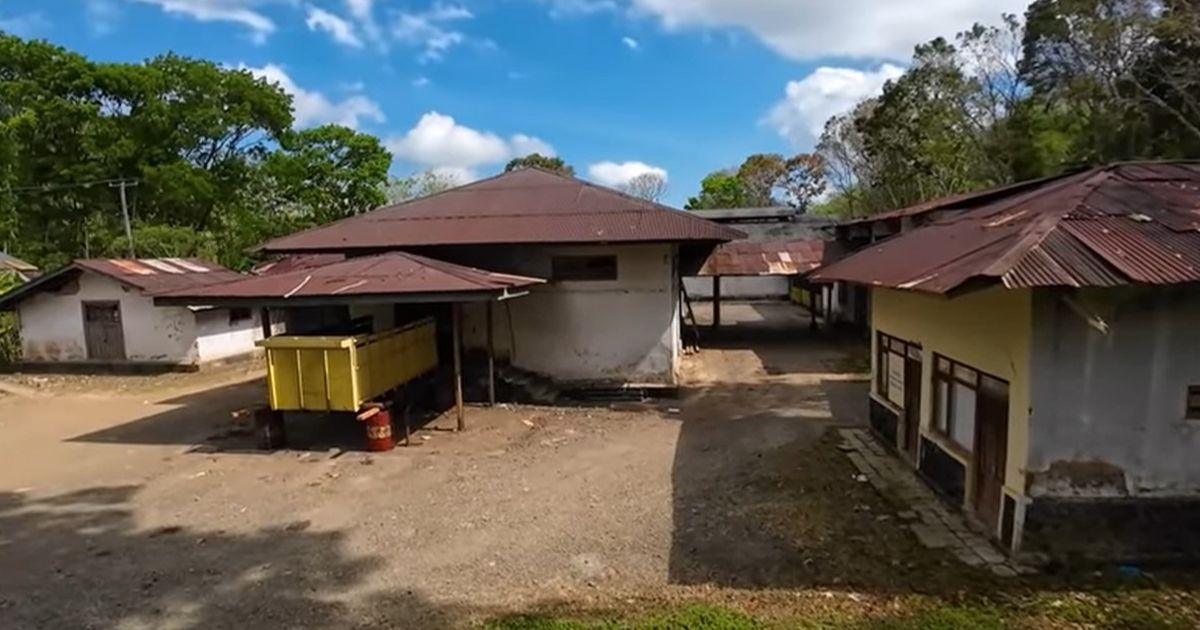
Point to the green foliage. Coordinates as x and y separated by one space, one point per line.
216 164
693 617
540 161
10 333
720 189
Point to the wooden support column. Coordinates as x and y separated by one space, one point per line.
458 386
264 316
491 347
716 302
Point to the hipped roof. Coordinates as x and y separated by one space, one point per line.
394 276
526 206
150 275
1120 224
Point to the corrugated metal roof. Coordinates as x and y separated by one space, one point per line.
767 258
1120 224
295 262
391 274
151 275
11 263
524 206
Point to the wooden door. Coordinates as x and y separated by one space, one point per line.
991 449
912 403
102 331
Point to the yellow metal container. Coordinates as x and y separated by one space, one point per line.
341 373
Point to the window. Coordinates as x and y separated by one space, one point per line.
956 400
1193 402
890 365
237 315
583 268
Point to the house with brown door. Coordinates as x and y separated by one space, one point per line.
1034 357
100 313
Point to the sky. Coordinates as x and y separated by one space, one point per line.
615 87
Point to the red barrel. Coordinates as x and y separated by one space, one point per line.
379 431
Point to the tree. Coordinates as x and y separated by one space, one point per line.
330 172
538 160
804 180
401 189
648 186
760 175
720 189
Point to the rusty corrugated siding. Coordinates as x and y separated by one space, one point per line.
1121 224
522 207
394 273
767 258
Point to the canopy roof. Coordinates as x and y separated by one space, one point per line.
1120 224
768 258
525 206
391 277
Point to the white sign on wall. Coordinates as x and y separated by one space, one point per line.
895 377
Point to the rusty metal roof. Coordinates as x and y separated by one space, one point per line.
521 207
1120 224
390 275
768 258
150 275
295 262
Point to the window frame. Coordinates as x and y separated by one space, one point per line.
236 311
1191 402
949 372
885 345
584 263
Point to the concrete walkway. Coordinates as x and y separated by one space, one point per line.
935 525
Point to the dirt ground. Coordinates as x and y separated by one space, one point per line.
131 507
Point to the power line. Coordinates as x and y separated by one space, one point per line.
55 187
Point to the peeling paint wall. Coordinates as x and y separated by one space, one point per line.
625 330
1108 408
52 324
217 338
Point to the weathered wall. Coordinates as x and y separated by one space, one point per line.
1108 408
739 287
989 330
217 338
625 330
52 324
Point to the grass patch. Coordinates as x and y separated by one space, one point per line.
694 617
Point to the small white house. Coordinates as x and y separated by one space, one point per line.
102 312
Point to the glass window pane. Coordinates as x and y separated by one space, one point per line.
914 352
963 430
943 406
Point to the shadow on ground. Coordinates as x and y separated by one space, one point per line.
79 560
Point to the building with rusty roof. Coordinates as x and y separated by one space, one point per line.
1034 356
17 268
101 313
551 274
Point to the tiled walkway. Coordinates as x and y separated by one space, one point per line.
935 525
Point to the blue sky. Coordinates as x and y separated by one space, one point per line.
615 87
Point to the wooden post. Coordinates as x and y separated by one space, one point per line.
458 387
264 316
491 345
716 302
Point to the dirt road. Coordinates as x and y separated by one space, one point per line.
141 510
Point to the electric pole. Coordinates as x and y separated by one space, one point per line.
121 186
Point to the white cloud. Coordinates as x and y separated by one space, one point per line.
808 29
430 31
630 43
826 92
27 25
236 11
579 7
421 82
339 29
102 16
439 143
617 174
314 108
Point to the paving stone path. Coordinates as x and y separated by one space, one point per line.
935 525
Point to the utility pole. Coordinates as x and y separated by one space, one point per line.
121 185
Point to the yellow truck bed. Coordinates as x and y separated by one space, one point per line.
341 373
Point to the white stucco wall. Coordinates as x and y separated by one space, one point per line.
217 338
52 324
739 287
625 330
